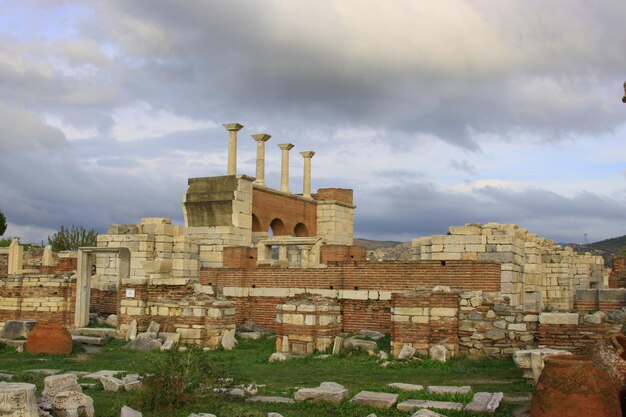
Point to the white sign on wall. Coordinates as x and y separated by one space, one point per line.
130 293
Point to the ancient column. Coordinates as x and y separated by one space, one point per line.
260 138
306 186
47 259
284 166
232 128
16 258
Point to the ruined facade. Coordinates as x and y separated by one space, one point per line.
250 253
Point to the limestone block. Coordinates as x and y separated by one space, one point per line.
439 353
228 340
444 405
406 387
485 402
18 400
72 404
448 389
424 412
110 383
129 412
443 312
533 359
327 392
558 318
464 230
375 399
55 384
17 329
406 353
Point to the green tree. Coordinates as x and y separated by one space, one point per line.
3 223
72 238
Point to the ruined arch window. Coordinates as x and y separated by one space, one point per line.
301 230
277 228
256 224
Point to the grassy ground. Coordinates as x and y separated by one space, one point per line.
248 364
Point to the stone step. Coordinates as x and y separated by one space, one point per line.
406 387
95 331
485 402
448 389
375 399
90 340
267 399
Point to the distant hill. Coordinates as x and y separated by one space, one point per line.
386 249
607 248
375 244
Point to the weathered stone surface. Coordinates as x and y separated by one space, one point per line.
250 335
375 399
202 415
558 318
426 413
439 353
110 383
382 355
6 377
495 334
409 405
372 334
250 389
278 357
112 320
18 400
89 340
17 329
269 399
448 389
94 331
406 387
485 402
360 344
338 345
72 404
274 415
327 391
406 353
237 393
532 360
228 340
153 329
58 383
129 412
130 386
144 343
97 375
131 333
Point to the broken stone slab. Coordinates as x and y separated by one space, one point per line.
153 330
59 383
6 377
337 345
17 329
43 371
144 342
485 402
360 344
426 413
202 415
72 404
383 356
237 393
274 415
372 334
129 412
449 389
89 340
269 399
327 391
111 383
170 340
279 357
409 405
228 340
97 375
250 335
406 387
130 386
406 353
94 331
112 320
131 332
17 344
131 378
532 360
439 353
18 399
375 399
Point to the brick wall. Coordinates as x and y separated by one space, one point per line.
577 338
240 257
617 279
610 299
342 253
268 205
103 302
4 265
343 195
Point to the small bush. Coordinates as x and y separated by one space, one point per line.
72 238
3 223
176 378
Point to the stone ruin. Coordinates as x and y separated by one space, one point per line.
251 253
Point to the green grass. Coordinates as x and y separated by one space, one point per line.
248 363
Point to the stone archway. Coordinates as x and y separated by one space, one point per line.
278 228
301 230
86 257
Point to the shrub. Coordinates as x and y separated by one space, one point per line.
3 223
72 238
176 378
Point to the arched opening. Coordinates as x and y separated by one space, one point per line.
300 230
277 228
256 224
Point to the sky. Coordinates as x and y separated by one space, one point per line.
434 113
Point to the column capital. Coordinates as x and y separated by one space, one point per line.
307 154
233 127
286 146
261 137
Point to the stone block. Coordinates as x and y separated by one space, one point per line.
406 387
375 399
72 404
327 392
17 329
443 312
558 318
426 413
18 399
485 402
406 353
410 405
439 353
448 389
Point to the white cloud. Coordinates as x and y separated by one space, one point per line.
141 121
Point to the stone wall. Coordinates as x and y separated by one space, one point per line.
364 288
617 278
4 262
103 302
38 297
609 299
536 273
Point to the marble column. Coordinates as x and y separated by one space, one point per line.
232 128
306 185
284 166
260 138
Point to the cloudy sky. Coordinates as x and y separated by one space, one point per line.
435 113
